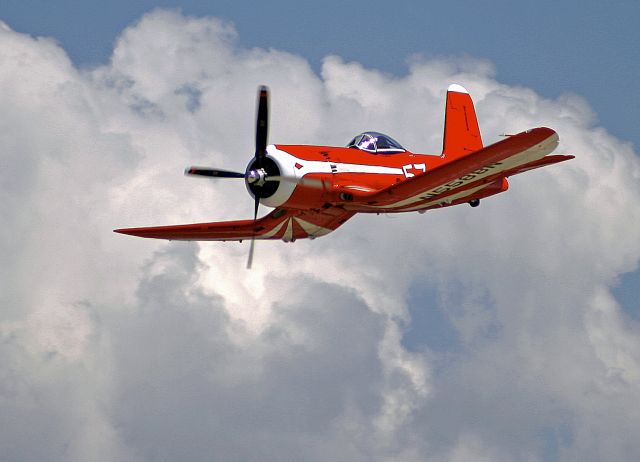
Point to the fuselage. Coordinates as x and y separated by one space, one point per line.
350 177
345 175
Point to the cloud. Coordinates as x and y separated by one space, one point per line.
121 349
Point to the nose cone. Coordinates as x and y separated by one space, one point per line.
253 176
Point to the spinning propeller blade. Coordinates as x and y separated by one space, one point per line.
262 125
212 172
253 238
257 176
262 134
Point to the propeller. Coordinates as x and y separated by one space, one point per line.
213 172
253 237
255 176
262 125
262 172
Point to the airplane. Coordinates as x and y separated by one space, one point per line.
316 189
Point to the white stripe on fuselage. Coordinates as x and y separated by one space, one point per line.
324 166
287 164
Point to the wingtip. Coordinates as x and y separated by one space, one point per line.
457 88
127 231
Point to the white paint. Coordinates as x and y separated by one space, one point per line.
447 200
457 88
286 163
288 234
311 229
276 229
407 167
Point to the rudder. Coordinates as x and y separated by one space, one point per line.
461 131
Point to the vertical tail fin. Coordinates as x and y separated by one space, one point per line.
461 131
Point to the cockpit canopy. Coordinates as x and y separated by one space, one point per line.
376 143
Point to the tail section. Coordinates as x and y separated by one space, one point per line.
461 131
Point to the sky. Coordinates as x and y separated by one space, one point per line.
583 47
503 332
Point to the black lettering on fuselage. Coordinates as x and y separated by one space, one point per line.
460 181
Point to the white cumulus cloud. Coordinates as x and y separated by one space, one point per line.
120 349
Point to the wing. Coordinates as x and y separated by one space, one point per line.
469 174
547 160
285 224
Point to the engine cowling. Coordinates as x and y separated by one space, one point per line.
272 192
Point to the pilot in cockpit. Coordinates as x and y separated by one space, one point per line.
376 143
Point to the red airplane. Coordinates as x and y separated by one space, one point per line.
315 189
